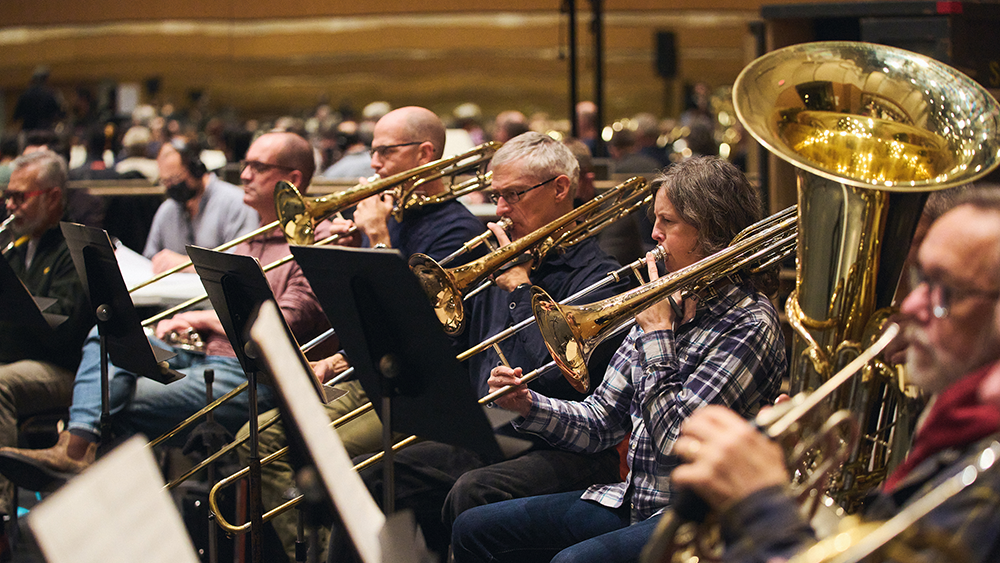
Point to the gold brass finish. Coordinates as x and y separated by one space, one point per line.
445 288
298 214
571 333
870 129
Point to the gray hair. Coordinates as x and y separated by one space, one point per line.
713 196
52 171
541 156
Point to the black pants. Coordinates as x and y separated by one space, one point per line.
438 482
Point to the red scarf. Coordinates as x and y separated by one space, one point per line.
956 419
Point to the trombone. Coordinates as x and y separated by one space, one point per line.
756 248
446 289
318 209
298 215
571 333
321 208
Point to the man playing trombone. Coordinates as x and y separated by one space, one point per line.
721 346
143 405
534 184
403 139
949 320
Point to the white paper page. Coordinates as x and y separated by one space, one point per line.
361 516
115 511
169 291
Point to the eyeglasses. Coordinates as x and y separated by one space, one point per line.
383 150
513 196
18 198
262 167
944 296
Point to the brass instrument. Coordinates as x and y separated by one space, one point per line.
572 333
815 445
870 130
4 227
445 288
635 267
861 540
298 215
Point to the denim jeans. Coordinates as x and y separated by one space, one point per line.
559 528
142 405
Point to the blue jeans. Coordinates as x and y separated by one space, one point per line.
142 405
560 527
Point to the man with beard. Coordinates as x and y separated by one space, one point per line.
201 210
950 327
36 367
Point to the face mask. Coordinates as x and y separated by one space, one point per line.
181 192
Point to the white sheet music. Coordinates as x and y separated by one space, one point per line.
115 511
167 292
361 516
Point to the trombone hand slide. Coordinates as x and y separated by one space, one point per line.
277 511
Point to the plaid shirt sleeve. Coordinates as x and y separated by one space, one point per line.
594 424
729 365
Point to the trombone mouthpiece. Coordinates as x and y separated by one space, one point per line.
504 223
658 253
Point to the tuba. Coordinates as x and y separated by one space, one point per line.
871 130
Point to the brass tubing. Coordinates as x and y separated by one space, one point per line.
194 300
220 248
278 510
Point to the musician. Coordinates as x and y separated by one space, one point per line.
403 139
200 208
722 346
144 405
535 180
37 367
949 319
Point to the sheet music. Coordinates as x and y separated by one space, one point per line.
172 290
361 516
116 511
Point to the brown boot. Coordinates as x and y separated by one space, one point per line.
47 469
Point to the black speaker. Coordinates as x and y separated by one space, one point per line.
666 54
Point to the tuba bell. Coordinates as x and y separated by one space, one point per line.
870 130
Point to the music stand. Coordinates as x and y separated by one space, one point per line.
18 306
398 349
121 336
236 285
310 437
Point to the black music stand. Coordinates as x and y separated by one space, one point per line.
122 337
18 306
401 355
236 285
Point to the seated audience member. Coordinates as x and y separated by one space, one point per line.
136 144
201 209
950 322
721 346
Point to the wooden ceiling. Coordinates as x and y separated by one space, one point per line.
284 57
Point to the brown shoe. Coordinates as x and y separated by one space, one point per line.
47 469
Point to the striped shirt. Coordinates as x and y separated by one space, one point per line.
731 353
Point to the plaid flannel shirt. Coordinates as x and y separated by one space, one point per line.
731 353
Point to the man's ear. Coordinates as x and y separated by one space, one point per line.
426 152
295 178
562 185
